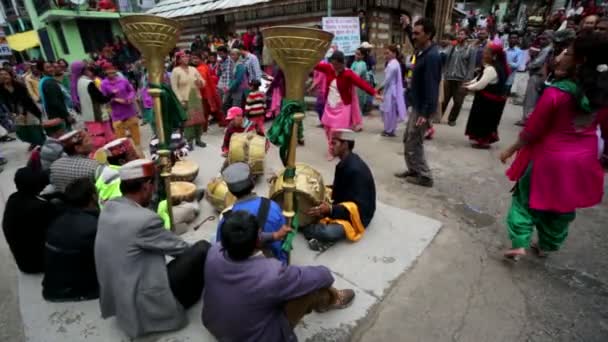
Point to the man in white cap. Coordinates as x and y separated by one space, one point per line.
76 164
135 284
353 195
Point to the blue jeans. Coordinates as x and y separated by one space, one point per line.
324 232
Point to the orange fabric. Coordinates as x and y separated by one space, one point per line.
209 91
354 228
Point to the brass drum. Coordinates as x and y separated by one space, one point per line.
310 190
184 171
218 194
182 192
248 148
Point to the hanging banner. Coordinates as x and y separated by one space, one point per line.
347 33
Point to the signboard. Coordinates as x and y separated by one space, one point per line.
346 32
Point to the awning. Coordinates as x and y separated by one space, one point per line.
183 8
23 41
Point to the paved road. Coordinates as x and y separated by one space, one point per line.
459 289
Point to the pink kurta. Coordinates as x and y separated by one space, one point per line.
566 172
339 115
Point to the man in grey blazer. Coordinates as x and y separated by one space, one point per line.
135 284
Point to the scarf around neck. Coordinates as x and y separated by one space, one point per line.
573 89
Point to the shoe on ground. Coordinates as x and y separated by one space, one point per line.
201 144
451 123
319 246
344 300
406 174
420 180
301 142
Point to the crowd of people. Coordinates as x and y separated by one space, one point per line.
557 168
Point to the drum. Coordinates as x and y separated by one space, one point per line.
249 148
218 195
184 171
310 191
182 192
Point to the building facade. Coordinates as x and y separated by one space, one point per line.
65 29
221 17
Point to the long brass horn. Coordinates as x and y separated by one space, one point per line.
296 50
155 37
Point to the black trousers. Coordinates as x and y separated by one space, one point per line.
187 274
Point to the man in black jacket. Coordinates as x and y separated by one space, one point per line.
69 259
353 198
424 95
26 218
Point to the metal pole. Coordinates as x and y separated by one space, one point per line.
329 5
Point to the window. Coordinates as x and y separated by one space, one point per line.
94 40
61 37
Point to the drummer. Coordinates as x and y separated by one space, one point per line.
118 152
353 197
270 217
238 124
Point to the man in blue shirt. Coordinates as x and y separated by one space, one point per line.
269 214
515 59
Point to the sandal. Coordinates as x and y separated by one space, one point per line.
514 254
319 246
537 251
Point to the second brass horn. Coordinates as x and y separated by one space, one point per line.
296 50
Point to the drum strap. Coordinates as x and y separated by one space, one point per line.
262 215
263 211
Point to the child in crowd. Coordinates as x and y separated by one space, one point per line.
255 105
239 124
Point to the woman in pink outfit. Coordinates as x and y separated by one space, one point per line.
342 105
557 168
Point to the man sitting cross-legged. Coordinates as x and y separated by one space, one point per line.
135 283
69 262
353 195
249 297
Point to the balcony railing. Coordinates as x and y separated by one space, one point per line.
126 6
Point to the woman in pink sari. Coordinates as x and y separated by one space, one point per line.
342 109
557 168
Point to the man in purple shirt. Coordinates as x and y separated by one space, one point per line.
249 297
124 113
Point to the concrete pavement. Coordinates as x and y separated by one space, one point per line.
459 289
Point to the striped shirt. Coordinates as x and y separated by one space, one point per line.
256 103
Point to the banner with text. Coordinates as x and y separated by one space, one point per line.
346 32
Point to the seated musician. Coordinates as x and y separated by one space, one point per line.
118 152
238 124
249 297
240 184
69 263
353 196
76 164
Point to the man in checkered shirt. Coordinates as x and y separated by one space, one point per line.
252 64
77 164
225 73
